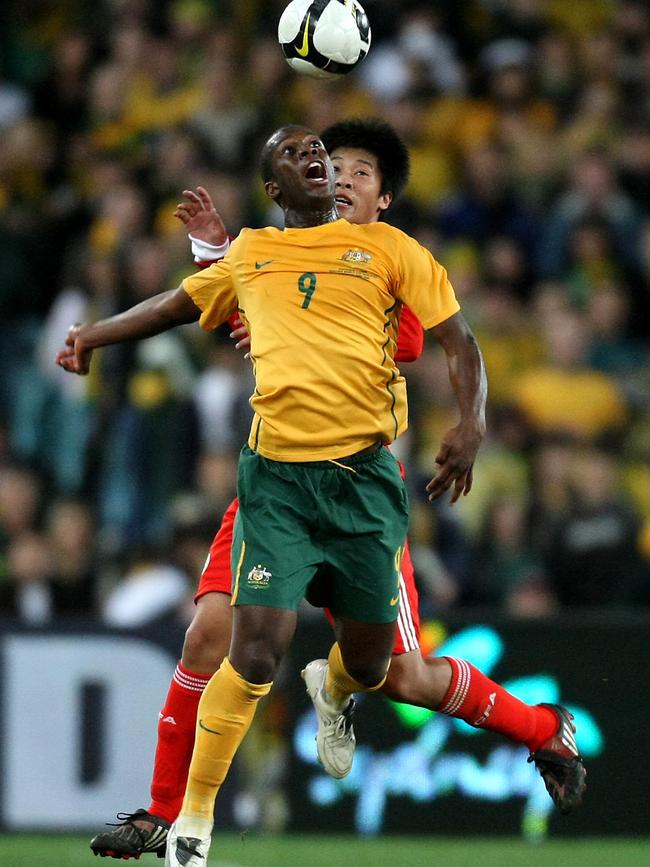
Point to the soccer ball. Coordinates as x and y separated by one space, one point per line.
324 38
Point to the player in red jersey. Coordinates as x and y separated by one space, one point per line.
371 165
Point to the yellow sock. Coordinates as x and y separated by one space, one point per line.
339 685
225 712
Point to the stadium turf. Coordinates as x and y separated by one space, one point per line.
17 850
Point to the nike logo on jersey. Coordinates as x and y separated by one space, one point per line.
303 51
167 719
394 600
259 265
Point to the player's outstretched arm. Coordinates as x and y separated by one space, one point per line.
157 314
210 241
455 459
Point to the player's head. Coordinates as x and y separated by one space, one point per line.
296 170
371 164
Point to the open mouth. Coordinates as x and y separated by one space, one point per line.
343 201
316 171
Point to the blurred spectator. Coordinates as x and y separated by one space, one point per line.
596 122
550 491
564 394
511 83
486 206
613 350
266 82
592 260
594 194
502 470
509 342
21 502
593 555
509 573
217 391
50 573
438 589
632 25
633 163
142 466
224 123
159 94
193 529
50 420
26 592
216 481
14 103
151 588
28 254
120 218
419 61
638 104
522 19
505 266
557 72
61 95
70 533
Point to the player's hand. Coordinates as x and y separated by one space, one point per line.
241 335
201 218
455 462
75 358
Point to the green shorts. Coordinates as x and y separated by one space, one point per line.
345 520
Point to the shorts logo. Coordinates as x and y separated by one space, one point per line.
259 576
357 256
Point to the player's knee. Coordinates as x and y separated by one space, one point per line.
406 685
255 662
368 672
204 647
413 679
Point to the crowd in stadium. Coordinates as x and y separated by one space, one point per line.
528 125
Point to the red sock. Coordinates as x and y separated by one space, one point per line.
482 703
176 725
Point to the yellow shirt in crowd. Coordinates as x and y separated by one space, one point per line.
586 403
322 309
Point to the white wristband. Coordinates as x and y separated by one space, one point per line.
204 252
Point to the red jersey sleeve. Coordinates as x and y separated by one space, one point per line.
233 320
410 337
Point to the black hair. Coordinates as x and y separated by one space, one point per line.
380 139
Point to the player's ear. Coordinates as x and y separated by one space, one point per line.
384 201
272 190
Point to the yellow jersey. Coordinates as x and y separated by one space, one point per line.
322 309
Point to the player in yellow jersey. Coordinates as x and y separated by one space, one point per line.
315 487
322 310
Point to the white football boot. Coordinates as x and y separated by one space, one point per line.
335 741
187 850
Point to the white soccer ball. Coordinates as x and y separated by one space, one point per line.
324 38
